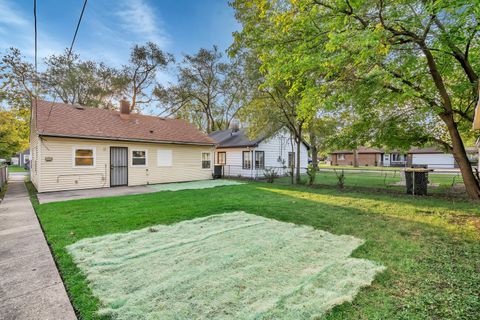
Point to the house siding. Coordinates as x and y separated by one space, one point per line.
60 174
364 159
35 160
275 148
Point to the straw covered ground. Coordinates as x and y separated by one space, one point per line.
203 184
233 265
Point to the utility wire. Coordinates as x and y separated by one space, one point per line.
36 64
76 29
69 53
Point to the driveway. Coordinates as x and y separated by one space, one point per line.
30 285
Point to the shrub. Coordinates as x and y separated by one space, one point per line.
311 172
270 174
341 179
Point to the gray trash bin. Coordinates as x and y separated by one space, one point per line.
416 180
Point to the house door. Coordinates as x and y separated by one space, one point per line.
118 166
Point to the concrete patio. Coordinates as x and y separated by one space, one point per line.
30 285
91 193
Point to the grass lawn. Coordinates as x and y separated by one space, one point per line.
327 166
16 169
430 246
442 182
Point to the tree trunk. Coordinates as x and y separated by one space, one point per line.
460 155
314 150
292 164
297 173
355 157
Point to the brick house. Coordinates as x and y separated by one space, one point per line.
366 157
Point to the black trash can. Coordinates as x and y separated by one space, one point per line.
217 171
417 181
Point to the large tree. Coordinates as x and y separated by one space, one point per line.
209 90
140 74
404 64
17 89
76 81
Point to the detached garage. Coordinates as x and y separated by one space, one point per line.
434 158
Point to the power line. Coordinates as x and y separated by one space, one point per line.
36 64
76 29
69 53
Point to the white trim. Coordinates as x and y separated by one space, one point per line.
131 151
75 148
201 160
171 158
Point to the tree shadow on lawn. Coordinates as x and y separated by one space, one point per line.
417 253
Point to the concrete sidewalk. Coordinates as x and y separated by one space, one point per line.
30 286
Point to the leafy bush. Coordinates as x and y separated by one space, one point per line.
270 174
341 179
311 172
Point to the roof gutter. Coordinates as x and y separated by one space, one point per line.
124 139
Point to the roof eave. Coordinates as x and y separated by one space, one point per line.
124 139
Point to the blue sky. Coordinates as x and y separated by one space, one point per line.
110 28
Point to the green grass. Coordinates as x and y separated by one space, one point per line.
430 245
16 169
442 183
376 168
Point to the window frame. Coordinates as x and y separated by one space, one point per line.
171 158
132 157
249 167
341 156
209 160
224 159
263 160
74 156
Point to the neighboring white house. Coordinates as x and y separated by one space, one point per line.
436 158
75 147
241 156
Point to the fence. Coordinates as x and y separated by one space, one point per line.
441 180
3 176
231 171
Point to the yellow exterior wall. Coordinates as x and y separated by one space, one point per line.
60 174
34 160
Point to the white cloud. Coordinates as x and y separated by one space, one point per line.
16 30
139 19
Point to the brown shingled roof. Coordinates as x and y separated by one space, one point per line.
66 120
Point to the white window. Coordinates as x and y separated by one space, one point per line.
221 157
246 160
84 157
206 161
341 156
139 158
164 158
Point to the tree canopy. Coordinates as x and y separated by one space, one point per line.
407 70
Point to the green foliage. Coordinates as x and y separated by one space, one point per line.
83 82
139 76
340 178
209 92
405 72
14 132
270 174
311 173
